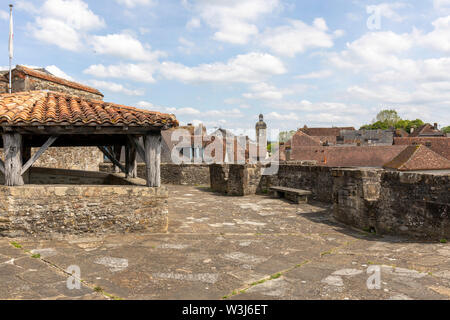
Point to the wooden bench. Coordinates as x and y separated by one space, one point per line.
295 195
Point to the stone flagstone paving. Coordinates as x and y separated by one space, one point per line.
220 247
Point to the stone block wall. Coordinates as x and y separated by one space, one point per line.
389 202
79 158
47 210
81 203
386 202
317 179
183 174
29 83
355 193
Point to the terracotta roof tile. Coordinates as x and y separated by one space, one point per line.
418 158
46 107
52 78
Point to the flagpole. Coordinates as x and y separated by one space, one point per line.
10 47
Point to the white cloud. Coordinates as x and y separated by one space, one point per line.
188 111
64 23
247 68
135 72
115 87
266 92
374 51
297 37
4 15
194 23
441 4
388 10
234 20
57 32
135 3
58 72
186 46
439 38
124 46
316 75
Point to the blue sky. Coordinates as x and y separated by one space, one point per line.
222 62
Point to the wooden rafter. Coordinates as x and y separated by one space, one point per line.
111 157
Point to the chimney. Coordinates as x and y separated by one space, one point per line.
436 126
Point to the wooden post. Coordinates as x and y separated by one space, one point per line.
130 160
26 155
117 151
12 146
152 147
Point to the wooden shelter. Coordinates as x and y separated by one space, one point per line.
40 119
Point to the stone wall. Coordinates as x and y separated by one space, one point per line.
79 207
247 179
183 174
29 83
416 204
317 179
386 202
79 158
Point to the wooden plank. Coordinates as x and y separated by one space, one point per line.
152 147
291 190
37 155
110 156
12 143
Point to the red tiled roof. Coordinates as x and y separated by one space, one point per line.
302 139
55 108
324 132
440 145
426 130
418 158
52 78
348 156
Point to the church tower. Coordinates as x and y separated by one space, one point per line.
261 137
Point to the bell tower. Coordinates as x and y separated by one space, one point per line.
261 137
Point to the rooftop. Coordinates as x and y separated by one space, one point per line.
36 108
418 157
37 73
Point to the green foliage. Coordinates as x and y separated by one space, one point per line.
446 129
16 245
389 118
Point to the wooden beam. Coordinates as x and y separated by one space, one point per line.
130 160
91 130
37 155
12 143
137 144
152 147
2 166
110 156
117 152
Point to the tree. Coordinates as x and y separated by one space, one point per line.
446 129
389 117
